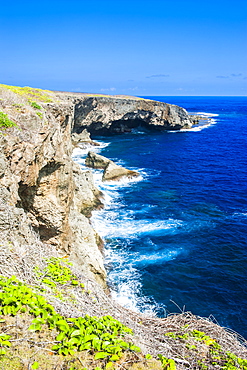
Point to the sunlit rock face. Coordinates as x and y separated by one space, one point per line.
109 115
44 196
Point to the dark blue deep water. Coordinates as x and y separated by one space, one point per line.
176 237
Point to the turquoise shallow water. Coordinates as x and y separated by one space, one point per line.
178 233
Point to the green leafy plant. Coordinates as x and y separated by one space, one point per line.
57 271
104 336
34 104
167 363
5 122
215 356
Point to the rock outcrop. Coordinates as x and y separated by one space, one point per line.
95 160
108 115
83 139
44 196
112 172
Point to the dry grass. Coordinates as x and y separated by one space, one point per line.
19 257
149 331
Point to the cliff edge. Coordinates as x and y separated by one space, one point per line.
44 194
57 314
40 186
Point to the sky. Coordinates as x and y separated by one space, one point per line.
132 47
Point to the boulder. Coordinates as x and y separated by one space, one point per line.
94 160
83 139
115 172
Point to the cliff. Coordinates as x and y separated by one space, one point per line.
43 192
108 115
45 206
39 181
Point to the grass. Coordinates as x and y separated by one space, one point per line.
34 335
30 93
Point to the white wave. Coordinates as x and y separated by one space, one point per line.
81 153
157 257
125 278
196 128
127 287
127 296
239 214
111 226
99 147
204 114
124 181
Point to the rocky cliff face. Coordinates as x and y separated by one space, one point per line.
44 195
101 115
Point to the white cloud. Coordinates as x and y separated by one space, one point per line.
109 89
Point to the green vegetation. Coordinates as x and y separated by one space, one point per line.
34 104
57 274
57 271
103 337
167 363
39 114
91 341
209 352
5 122
30 93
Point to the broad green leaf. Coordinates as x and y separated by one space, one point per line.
61 336
35 365
85 346
135 348
109 365
114 358
62 325
100 355
75 333
73 341
34 327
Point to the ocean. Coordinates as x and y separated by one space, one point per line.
175 237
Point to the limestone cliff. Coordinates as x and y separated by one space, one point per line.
45 205
44 194
107 115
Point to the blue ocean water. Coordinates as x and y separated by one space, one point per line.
176 236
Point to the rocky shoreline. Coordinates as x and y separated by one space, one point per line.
46 199
39 178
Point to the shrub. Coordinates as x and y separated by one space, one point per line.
5 122
34 104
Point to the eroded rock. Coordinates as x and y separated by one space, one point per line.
94 160
114 172
107 115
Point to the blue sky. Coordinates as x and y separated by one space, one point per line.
138 47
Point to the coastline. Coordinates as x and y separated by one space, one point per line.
43 200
